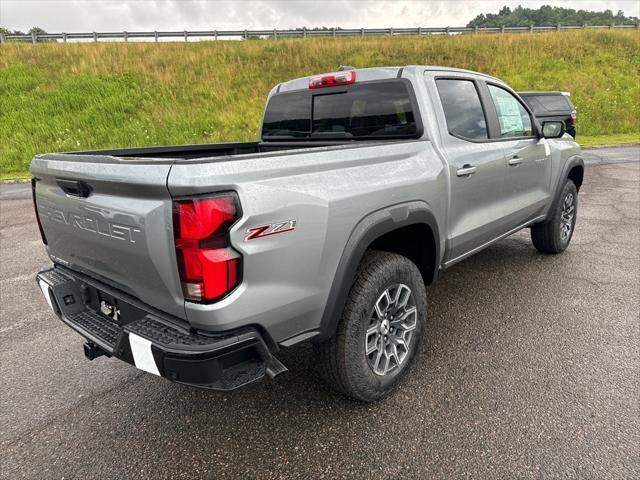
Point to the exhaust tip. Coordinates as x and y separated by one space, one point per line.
275 368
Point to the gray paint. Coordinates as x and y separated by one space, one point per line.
328 191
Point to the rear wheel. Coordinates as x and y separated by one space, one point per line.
380 330
554 235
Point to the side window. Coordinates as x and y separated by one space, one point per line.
462 108
513 117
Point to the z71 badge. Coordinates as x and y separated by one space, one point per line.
260 231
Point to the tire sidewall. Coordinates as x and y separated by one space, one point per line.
569 187
361 377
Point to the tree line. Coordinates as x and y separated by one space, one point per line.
549 16
32 30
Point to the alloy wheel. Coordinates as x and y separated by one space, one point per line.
567 216
392 323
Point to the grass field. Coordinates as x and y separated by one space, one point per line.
56 97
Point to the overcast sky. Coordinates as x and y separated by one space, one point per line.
106 15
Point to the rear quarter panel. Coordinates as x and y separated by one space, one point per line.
327 191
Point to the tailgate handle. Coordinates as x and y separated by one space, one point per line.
75 188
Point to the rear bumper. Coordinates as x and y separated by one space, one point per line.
153 342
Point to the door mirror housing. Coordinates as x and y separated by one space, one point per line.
553 129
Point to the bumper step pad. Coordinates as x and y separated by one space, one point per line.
223 361
102 327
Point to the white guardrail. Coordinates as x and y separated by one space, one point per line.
185 35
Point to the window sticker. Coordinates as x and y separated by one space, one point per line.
509 115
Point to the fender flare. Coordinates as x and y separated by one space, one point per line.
371 227
573 161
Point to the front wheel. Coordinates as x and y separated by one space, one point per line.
554 235
379 334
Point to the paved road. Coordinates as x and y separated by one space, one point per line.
530 369
621 154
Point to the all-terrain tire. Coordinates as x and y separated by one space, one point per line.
554 235
342 360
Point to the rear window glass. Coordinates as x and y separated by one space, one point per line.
541 104
288 115
360 111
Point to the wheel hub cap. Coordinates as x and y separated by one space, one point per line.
384 327
391 328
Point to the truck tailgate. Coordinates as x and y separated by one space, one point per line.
111 219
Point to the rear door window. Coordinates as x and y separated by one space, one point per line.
514 119
360 111
462 108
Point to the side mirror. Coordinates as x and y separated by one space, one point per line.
553 129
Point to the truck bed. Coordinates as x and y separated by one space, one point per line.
178 152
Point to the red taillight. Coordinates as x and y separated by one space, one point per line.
333 79
209 267
35 207
200 219
573 116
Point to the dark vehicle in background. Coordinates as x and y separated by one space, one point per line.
554 106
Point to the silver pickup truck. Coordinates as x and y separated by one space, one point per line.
199 263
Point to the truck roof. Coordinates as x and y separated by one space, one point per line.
378 73
456 70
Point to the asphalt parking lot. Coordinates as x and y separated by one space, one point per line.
530 369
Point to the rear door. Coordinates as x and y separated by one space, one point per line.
476 165
111 219
528 158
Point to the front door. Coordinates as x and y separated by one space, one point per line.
528 160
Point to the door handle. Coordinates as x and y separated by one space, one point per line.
466 170
515 161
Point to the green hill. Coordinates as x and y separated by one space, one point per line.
57 97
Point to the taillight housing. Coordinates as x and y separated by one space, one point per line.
209 267
35 208
574 115
346 77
